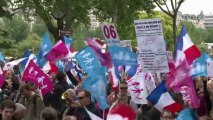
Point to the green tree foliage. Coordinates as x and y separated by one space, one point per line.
68 13
122 13
17 29
39 27
4 12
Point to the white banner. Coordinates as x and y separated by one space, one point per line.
209 68
126 43
110 34
152 51
137 88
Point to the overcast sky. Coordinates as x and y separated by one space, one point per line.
195 6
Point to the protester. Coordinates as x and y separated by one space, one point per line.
85 100
8 108
19 113
167 115
49 113
32 102
69 118
71 104
60 87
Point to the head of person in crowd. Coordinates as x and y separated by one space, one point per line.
16 69
69 118
7 108
49 113
84 97
25 90
19 112
60 76
167 115
70 98
123 87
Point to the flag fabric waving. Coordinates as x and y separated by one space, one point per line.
122 56
57 52
122 112
199 67
96 83
185 48
10 65
87 59
34 74
45 46
158 97
96 46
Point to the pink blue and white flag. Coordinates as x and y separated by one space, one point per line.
97 46
45 47
137 88
161 99
10 65
57 52
2 77
87 59
96 83
114 76
122 56
2 57
199 67
180 80
34 74
186 49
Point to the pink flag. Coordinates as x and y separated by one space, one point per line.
180 80
58 51
178 76
34 74
97 46
2 78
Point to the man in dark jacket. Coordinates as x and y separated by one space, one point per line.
85 101
60 87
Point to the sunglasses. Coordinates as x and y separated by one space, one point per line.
80 97
123 88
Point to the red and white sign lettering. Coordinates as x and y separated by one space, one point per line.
109 31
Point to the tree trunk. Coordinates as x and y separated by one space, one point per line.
174 26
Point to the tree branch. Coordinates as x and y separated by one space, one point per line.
166 6
179 4
173 8
175 4
169 14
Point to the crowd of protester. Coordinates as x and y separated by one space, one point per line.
23 100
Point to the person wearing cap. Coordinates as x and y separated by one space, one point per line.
71 104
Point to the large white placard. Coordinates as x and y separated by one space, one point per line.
210 68
110 34
152 52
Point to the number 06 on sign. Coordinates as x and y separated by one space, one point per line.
110 34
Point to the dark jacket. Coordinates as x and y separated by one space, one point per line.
56 101
82 114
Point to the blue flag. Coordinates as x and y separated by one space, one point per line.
187 114
45 46
2 57
87 59
68 41
96 83
60 65
122 56
199 66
